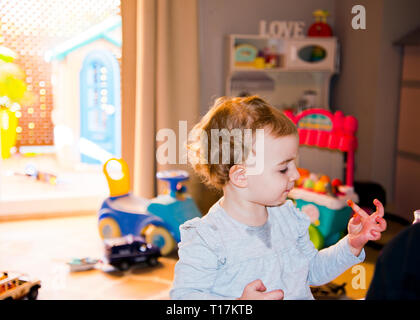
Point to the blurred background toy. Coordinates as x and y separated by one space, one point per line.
324 199
14 93
124 252
33 172
245 55
320 28
157 219
16 286
82 264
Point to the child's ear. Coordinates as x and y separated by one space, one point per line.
237 176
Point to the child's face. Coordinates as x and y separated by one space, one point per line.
270 188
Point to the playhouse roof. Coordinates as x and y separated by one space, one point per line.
411 39
107 30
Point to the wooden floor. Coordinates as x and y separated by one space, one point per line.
42 247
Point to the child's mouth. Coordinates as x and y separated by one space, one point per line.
289 189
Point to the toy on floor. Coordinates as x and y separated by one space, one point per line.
126 251
156 219
33 172
14 286
82 264
329 291
324 199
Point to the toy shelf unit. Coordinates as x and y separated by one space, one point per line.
280 70
323 199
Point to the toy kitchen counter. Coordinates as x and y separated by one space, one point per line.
329 214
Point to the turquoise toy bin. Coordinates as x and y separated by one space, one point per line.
332 223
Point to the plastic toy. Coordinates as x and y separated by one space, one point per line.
82 264
157 219
129 250
8 135
323 199
329 291
320 28
14 286
245 55
33 172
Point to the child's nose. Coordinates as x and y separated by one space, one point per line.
295 175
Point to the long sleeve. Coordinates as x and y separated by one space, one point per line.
198 264
327 264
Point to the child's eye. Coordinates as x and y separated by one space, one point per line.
284 170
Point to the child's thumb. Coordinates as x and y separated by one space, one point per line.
356 219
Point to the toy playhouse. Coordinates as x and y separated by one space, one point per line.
87 95
321 198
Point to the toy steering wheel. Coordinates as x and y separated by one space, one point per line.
173 177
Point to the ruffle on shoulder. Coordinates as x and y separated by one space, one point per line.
205 232
302 220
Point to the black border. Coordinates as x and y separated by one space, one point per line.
157 309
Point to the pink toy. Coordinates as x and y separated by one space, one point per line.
322 128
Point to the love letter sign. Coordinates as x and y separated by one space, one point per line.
282 29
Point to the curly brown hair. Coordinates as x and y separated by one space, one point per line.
241 113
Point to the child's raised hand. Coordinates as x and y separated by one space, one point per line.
255 290
363 227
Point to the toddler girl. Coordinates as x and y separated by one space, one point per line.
253 243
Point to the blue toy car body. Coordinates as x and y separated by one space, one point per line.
157 219
164 211
129 250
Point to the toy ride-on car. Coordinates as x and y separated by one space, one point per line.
157 219
126 251
15 286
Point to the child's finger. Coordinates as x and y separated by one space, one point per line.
379 208
376 235
355 219
256 285
355 225
357 209
381 223
274 295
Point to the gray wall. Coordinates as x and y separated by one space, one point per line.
368 84
219 18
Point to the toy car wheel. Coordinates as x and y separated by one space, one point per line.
152 261
160 237
109 228
33 293
123 266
